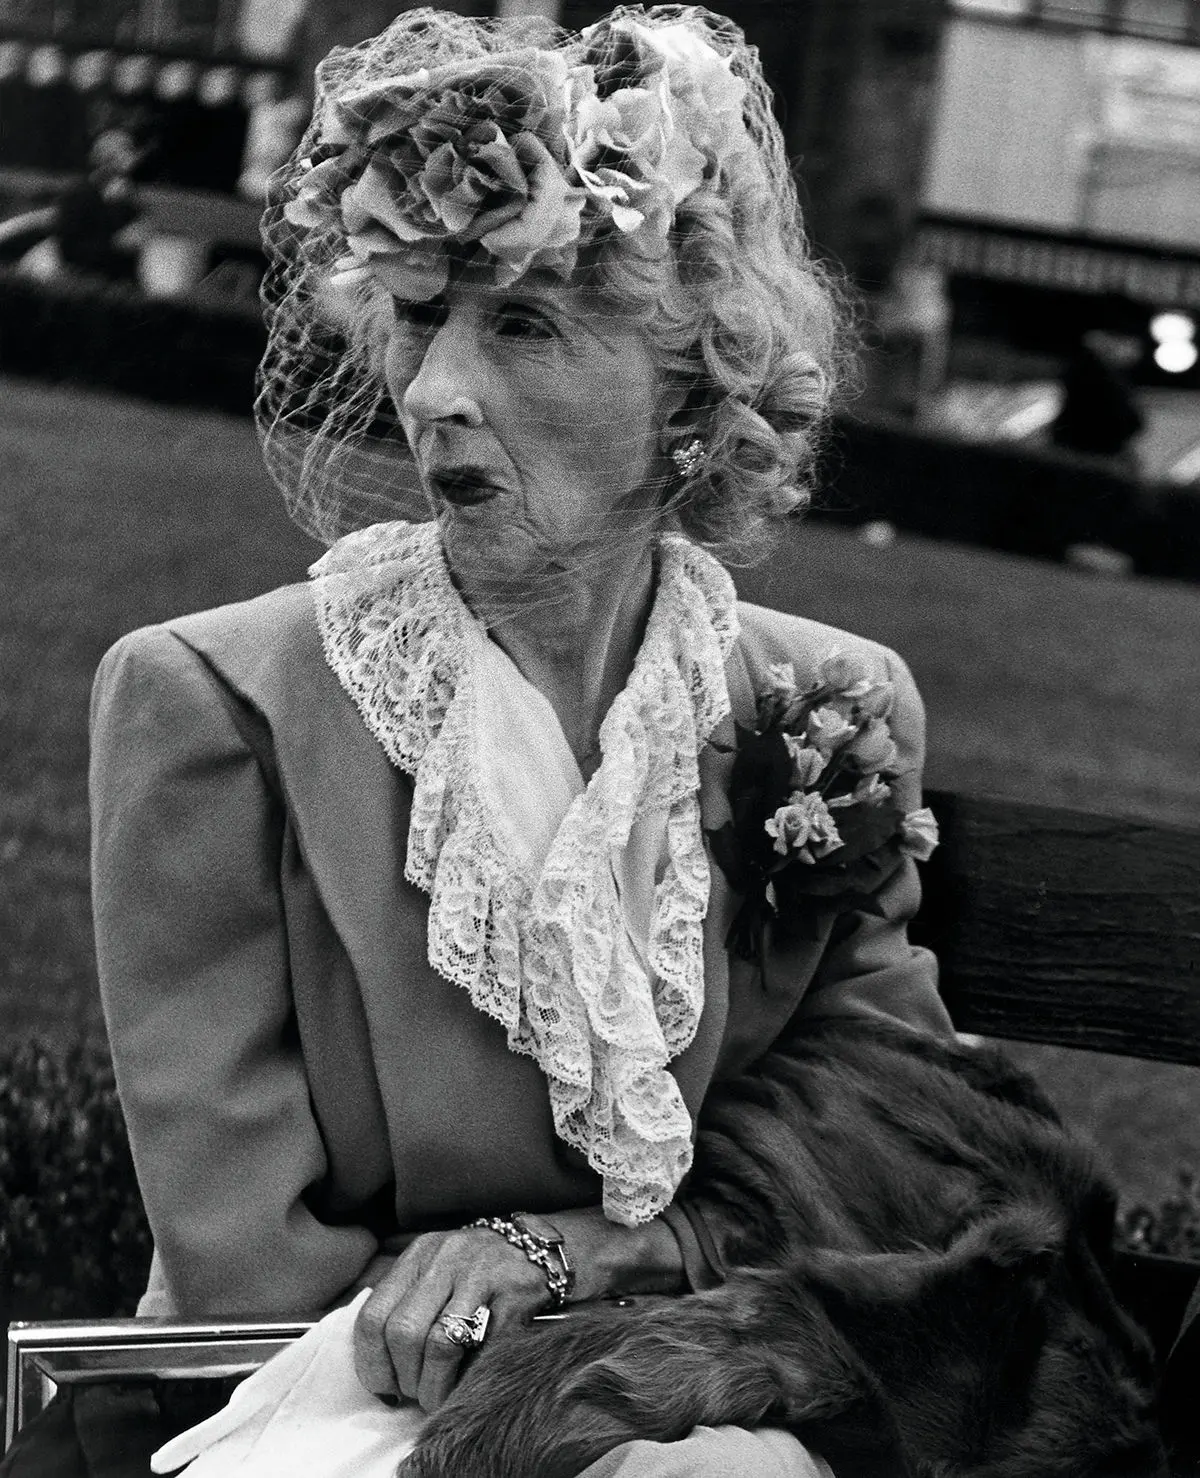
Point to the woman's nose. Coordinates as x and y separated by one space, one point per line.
443 387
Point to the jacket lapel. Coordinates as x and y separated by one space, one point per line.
348 803
694 1068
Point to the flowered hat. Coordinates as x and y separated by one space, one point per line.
516 159
446 141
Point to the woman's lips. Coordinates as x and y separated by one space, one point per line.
465 489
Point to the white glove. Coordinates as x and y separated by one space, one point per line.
304 1411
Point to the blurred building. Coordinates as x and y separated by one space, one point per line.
1025 170
1061 191
185 75
211 86
204 87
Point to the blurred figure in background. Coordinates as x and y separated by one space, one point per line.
96 229
1100 414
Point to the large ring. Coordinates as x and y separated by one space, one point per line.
466 1330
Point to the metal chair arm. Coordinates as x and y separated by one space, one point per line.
44 1355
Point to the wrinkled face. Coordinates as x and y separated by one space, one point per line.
534 420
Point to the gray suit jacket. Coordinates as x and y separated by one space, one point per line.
299 1084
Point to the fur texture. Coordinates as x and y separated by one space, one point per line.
920 1291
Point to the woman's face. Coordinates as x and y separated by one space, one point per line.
534 419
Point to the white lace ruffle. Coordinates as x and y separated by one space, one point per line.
547 951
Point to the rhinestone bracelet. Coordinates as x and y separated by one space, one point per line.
546 1253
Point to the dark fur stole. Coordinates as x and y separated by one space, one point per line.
919 1290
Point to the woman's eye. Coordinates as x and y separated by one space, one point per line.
517 321
419 315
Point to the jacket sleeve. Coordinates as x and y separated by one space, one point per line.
869 969
192 957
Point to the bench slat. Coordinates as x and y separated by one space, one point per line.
1061 927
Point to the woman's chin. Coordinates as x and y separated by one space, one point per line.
507 572
485 548
467 526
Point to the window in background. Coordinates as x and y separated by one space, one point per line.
25 15
265 27
102 22
1160 20
1097 15
1005 9
204 25
1071 131
1005 137
1168 20
72 21
1142 179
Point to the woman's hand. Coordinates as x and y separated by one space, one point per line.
401 1348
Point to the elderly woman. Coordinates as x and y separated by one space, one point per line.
416 962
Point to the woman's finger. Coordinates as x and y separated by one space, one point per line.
443 1362
408 1327
373 1360
442 1357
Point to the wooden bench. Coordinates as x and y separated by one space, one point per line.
1051 926
1075 930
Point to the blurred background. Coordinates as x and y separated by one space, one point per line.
1012 498
1014 183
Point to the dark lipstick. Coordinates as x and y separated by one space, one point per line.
463 486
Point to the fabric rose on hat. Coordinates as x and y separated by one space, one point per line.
629 155
662 114
516 158
706 97
471 153
414 272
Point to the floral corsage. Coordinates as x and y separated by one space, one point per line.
813 801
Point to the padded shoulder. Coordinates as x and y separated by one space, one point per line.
769 636
263 649
254 635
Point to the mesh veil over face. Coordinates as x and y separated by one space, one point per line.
632 176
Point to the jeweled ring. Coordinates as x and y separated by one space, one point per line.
466 1330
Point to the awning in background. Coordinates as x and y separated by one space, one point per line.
1068 264
139 74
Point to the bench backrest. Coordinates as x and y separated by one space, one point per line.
1061 927
1077 930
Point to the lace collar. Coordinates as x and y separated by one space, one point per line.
545 947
